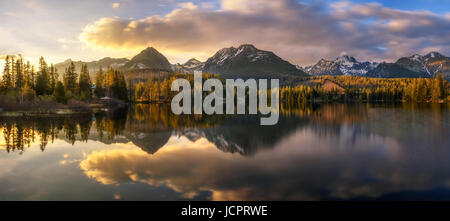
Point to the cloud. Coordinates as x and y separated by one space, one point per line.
115 5
187 5
287 172
299 32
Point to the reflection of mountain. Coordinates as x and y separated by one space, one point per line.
149 142
329 152
239 135
244 135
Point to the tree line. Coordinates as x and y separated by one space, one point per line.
417 90
25 84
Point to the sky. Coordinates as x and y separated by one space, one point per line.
300 31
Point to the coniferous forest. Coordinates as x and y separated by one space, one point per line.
349 88
24 86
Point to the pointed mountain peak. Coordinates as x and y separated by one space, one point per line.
247 47
149 50
192 61
434 54
346 58
149 58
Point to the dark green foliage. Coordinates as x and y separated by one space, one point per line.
26 87
70 79
60 93
84 84
43 79
7 82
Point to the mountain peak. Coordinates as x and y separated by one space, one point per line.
342 65
192 61
434 54
190 66
416 57
248 61
247 47
149 58
346 58
150 49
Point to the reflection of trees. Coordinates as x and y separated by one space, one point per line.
147 126
150 126
70 130
19 133
156 117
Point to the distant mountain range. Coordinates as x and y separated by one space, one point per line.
93 66
406 67
189 67
247 61
344 65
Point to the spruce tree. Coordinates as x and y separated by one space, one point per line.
19 74
99 85
70 79
53 77
42 81
60 93
85 84
7 81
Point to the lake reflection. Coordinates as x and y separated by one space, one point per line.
315 152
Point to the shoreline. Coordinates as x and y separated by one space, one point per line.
58 111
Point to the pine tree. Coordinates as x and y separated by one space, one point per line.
60 93
115 84
99 85
53 77
13 72
19 81
85 84
42 81
7 78
33 78
27 74
70 79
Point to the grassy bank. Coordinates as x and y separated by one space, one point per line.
45 105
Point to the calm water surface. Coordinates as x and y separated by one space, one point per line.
323 152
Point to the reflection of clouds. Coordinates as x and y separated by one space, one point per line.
301 167
175 165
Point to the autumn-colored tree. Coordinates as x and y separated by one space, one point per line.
99 90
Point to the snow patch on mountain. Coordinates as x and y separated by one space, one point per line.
343 65
248 61
189 67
